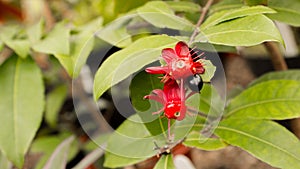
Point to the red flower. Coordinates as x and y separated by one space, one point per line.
180 63
171 98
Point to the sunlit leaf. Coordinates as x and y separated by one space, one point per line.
120 64
246 31
195 139
274 99
266 140
22 105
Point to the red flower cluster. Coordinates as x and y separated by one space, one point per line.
180 65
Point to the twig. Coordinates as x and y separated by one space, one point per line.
276 56
201 19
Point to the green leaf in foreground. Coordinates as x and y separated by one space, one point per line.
279 75
161 15
21 108
275 99
246 31
227 15
123 63
266 140
195 139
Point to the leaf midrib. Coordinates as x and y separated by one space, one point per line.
260 102
259 139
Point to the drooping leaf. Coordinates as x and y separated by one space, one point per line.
20 46
246 31
287 11
226 15
120 64
56 41
159 14
274 99
165 162
46 145
266 140
58 158
116 33
54 101
195 139
22 105
279 75
184 6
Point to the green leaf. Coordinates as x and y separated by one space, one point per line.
120 64
56 41
54 101
275 99
165 162
58 158
246 31
141 85
210 70
266 140
116 33
35 32
197 140
81 46
287 11
279 75
159 14
46 146
227 15
22 105
225 5
213 48
20 46
130 144
4 162
184 6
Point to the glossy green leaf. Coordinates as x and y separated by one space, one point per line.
22 105
120 64
195 139
184 6
287 11
226 15
58 158
165 162
56 41
130 144
116 33
159 14
275 99
54 101
266 140
81 46
47 144
279 75
246 31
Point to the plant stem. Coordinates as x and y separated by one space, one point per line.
201 19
